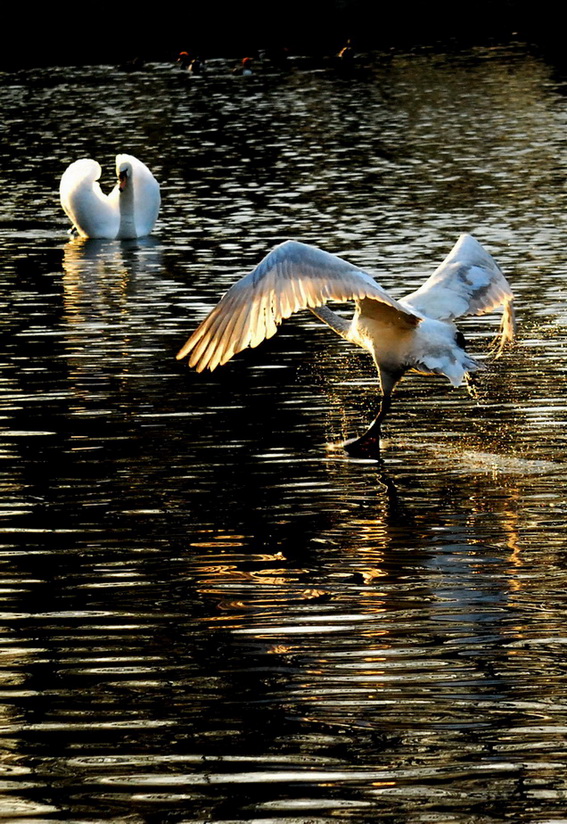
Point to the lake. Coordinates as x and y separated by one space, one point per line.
207 613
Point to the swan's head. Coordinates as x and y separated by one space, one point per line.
124 172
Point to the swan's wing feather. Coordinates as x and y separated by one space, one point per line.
468 282
291 277
90 211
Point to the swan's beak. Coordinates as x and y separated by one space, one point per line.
122 180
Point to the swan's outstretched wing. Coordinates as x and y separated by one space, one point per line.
468 282
90 211
291 277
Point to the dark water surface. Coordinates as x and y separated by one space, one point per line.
206 614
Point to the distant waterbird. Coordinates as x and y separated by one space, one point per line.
414 334
129 211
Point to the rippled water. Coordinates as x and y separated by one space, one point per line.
206 614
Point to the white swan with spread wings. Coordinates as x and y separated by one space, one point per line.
129 211
416 333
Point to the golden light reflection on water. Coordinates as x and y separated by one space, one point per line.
406 616
95 280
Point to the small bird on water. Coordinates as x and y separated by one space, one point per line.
414 334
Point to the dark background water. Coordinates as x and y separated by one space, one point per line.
60 34
56 34
207 615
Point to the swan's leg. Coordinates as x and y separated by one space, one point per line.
368 444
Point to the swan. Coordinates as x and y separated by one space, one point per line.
129 211
415 333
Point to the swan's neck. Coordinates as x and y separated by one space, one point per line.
338 324
127 222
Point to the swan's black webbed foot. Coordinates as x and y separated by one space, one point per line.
367 446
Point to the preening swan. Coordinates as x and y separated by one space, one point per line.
129 211
416 333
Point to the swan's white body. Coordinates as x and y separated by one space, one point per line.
416 333
129 211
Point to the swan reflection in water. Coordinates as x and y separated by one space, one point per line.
414 334
129 211
108 288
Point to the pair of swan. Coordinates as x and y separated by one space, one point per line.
129 211
415 334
